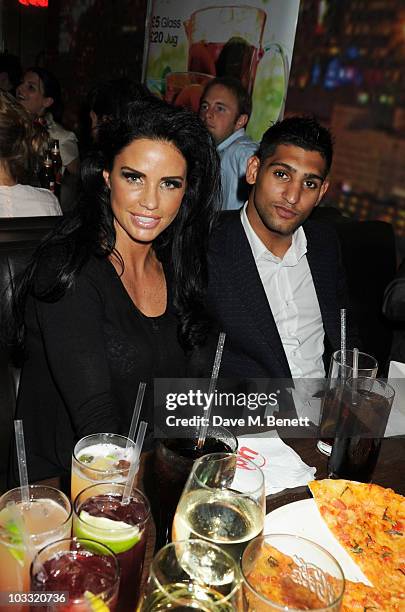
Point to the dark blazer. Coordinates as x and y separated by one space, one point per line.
238 303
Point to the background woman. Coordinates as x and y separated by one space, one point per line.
19 143
39 92
115 295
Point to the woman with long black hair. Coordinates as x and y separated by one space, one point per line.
115 294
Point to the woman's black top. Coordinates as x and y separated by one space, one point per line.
86 355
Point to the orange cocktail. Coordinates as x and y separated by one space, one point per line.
47 517
98 458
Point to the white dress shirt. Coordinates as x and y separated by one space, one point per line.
291 294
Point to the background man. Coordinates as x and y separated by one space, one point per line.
225 109
276 286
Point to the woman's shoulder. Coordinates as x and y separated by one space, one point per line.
46 197
28 201
53 264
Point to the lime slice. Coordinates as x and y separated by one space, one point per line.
102 463
14 540
119 536
95 602
86 458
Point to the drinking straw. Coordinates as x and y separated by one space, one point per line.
343 336
355 362
136 413
22 461
202 434
355 374
134 463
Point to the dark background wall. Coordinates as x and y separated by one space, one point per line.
81 41
348 68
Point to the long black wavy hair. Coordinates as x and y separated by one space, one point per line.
89 231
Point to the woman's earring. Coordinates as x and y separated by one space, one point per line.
107 179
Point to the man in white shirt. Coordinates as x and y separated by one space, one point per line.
276 286
225 108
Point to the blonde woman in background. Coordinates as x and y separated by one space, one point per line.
20 146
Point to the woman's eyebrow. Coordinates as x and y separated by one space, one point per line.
164 178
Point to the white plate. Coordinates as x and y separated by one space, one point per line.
302 518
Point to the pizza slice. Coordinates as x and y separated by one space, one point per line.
369 522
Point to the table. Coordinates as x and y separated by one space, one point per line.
389 471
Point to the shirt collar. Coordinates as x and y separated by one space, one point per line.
234 136
50 121
296 251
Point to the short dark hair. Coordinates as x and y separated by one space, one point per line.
108 97
301 131
52 89
235 86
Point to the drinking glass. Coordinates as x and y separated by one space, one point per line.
339 371
86 573
186 88
192 575
100 515
364 412
228 41
46 518
223 502
102 457
172 461
286 572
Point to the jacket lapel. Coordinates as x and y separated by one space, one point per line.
248 286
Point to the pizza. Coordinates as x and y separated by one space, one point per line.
277 577
369 522
280 579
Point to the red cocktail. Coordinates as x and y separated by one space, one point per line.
101 516
85 575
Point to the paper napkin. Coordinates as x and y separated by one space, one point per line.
283 468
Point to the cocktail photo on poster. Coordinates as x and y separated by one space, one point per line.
188 44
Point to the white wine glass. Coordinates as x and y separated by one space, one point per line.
192 575
223 502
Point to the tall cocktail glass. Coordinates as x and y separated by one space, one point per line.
102 457
227 41
99 515
223 502
192 575
364 411
185 88
340 370
46 518
86 573
172 461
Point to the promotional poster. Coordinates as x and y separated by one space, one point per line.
187 44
